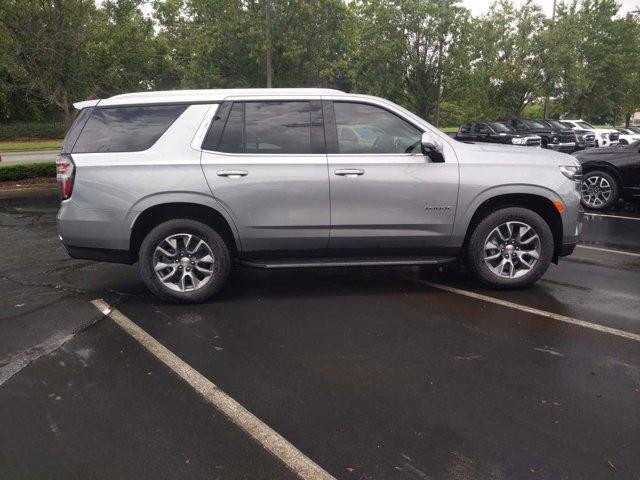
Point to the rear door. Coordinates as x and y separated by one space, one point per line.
385 194
265 162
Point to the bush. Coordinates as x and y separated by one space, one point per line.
27 170
10 131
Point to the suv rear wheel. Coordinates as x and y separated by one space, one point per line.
510 248
184 261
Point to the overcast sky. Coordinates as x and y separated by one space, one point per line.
479 7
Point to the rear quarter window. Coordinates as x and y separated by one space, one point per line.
74 132
126 129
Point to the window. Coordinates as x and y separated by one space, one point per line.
465 128
232 140
482 128
277 127
585 125
268 127
74 132
501 127
126 129
369 129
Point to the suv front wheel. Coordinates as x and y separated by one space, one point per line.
510 248
184 261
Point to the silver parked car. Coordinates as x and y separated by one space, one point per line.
187 183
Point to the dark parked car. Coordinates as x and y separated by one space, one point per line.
609 174
495 132
552 138
584 138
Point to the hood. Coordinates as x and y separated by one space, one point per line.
604 153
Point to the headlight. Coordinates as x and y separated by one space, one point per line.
572 172
519 141
604 135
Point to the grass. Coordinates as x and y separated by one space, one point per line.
29 145
22 171
449 129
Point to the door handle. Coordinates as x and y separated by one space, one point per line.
349 172
232 173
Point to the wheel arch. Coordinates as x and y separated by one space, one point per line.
588 167
540 204
160 212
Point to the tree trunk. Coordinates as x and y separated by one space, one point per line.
66 116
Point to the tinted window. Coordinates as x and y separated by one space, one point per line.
501 127
277 127
533 124
465 128
126 129
268 127
232 137
373 130
74 132
212 139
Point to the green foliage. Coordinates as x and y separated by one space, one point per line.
55 52
31 130
23 171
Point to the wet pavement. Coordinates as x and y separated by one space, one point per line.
372 373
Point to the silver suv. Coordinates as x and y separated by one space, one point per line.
187 183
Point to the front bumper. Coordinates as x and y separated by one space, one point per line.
562 147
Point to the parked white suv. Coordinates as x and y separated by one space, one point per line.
627 136
605 137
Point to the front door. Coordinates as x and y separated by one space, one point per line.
385 194
265 162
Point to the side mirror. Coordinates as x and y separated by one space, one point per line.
431 149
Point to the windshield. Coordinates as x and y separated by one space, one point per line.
500 127
585 125
624 131
533 124
557 124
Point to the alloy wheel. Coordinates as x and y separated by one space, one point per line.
512 249
595 191
183 262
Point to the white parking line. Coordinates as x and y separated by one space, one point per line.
610 216
293 458
608 250
534 311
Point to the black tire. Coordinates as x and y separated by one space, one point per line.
220 267
623 142
475 249
615 190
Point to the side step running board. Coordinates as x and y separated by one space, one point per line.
346 262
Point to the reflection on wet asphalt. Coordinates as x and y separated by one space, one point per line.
368 372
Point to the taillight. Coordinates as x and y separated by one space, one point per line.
65 173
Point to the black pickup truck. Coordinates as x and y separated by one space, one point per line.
495 132
553 138
584 138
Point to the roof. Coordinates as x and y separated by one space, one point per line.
197 96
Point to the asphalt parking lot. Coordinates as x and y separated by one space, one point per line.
379 373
